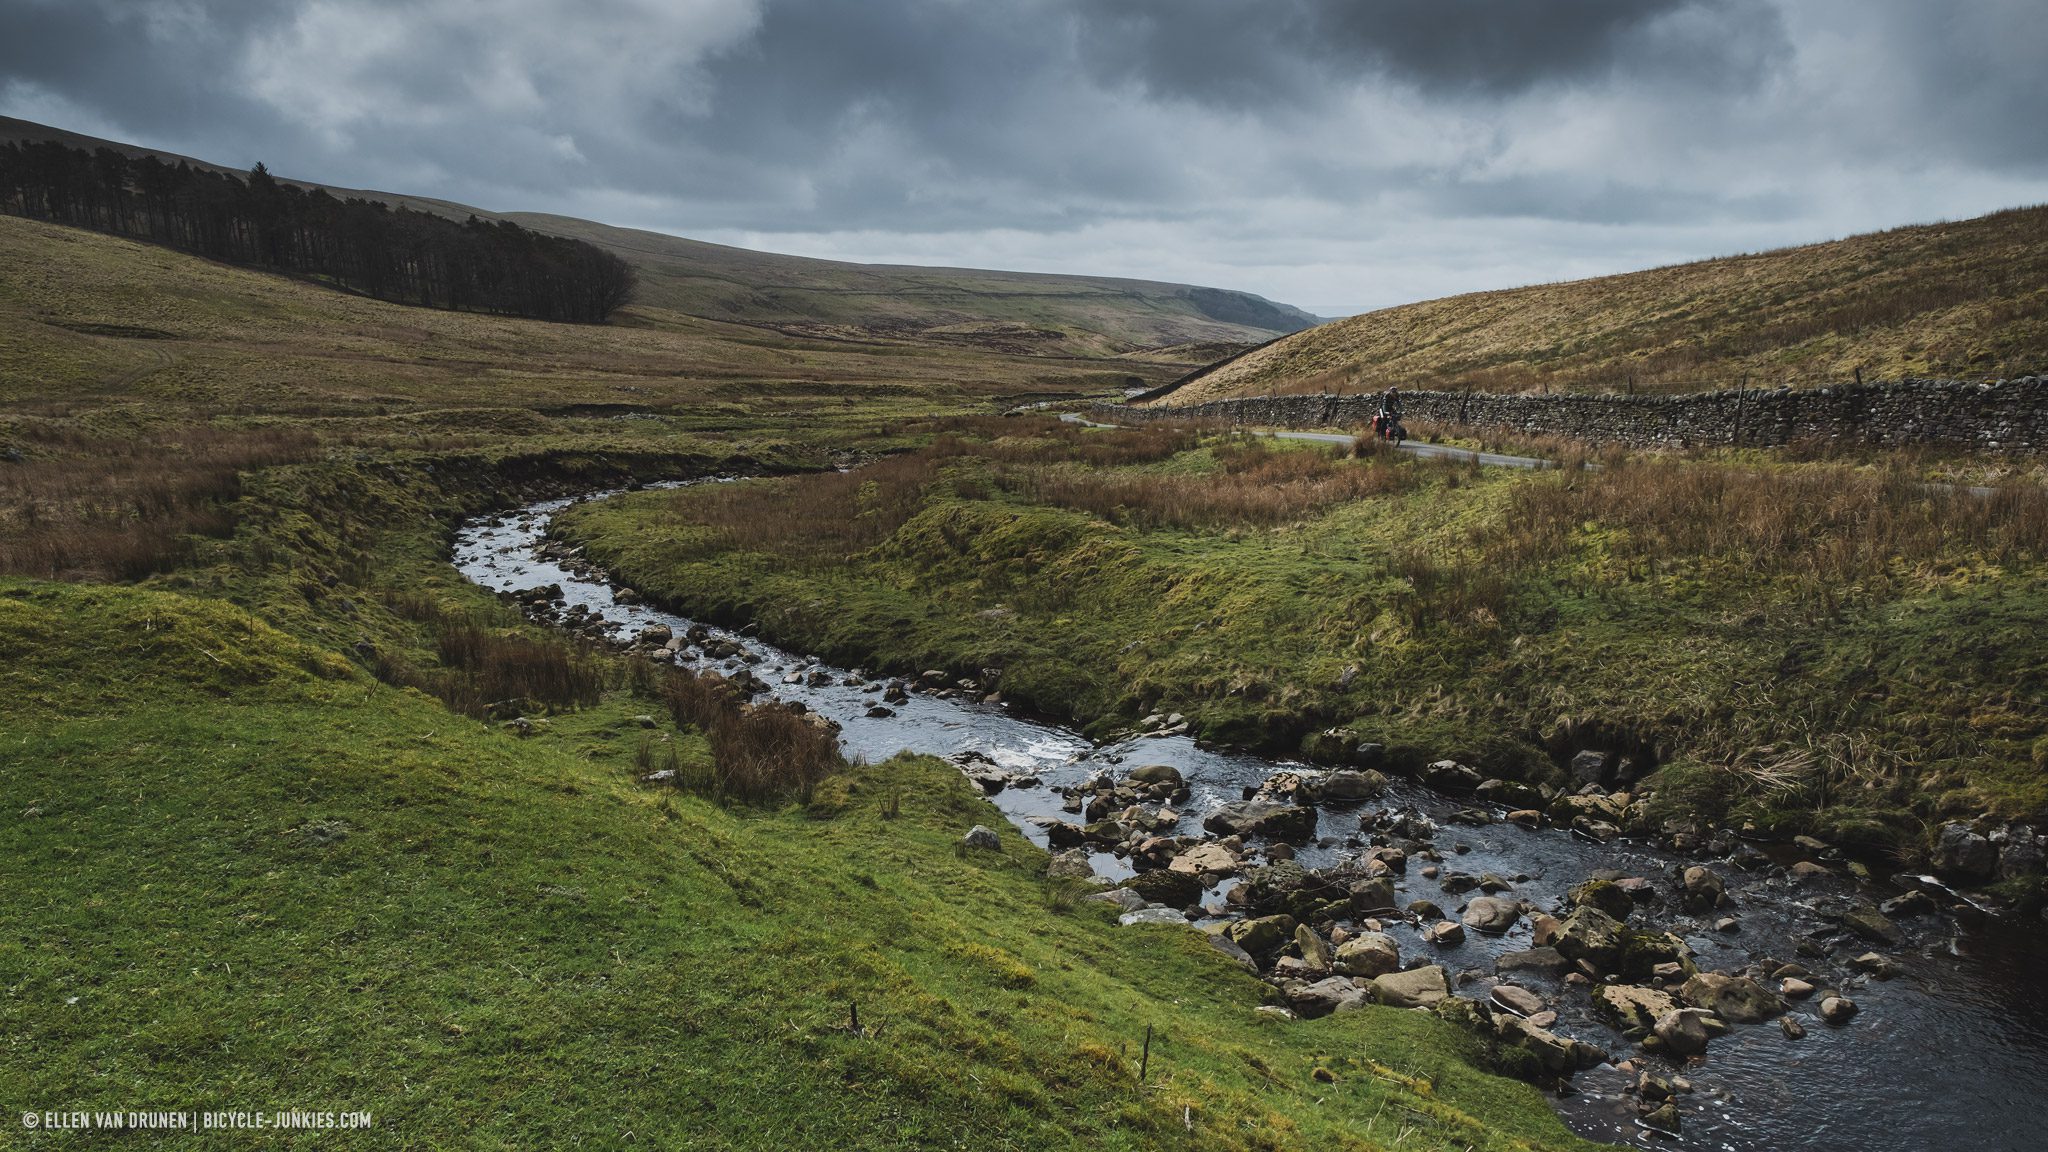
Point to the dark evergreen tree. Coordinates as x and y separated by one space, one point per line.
361 245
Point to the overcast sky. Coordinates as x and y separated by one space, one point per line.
1320 152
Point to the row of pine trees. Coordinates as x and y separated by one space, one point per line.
389 253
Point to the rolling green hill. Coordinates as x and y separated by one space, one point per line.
1016 312
1964 300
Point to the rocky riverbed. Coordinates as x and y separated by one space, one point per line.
1674 986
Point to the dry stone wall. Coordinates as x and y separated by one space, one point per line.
2010 416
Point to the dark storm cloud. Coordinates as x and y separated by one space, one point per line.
1457 142
1220 51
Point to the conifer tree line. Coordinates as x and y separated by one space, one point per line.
389 253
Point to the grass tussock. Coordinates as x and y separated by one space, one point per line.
99 505
760 753
488 669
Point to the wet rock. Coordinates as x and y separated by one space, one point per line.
1315 951
1531 960
1493 883
982 836
1869 923
1594 937
1262 936
1165 886
1556 1055
1414 988
1664 1118
1458 882
1701 889
1526 818
1206 860
1960 852
1228 947
1508 794
1588 767
1367 954
1808 870
1425 910
1793 988
1878 965
1263 817
1544 929
1837 1010
1348 785
1445 934
1683 1031
1911 904
1156 774
1491 915
1604 895
1598 831
1375 894
2021 852
655 635
878 712
1517 999
1061 834
1121 898
1792 1028
1451 777
1737 999
1071 864
1323 997
1727 925
1633 1009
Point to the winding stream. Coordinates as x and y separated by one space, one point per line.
1953 1053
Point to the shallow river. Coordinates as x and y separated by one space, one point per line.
1953 1054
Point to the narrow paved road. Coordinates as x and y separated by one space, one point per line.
1441 451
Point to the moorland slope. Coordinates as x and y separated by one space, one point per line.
1961 300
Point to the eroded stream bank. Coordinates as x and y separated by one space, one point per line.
1952 1047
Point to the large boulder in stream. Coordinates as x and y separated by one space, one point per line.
1263 936
1165 886
1491 915
1635 1010
1683 1031
1605 895
1368 954
1415 988
1348 785
1259 816
1594 937
1736 999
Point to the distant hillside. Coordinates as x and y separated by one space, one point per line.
1964 300
1012 312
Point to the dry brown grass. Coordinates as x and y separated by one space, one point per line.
488 668
83 505
1966 300
759 752
1835 530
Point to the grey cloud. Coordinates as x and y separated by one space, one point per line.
1264 131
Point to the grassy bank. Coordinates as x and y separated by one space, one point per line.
1819 646
246 875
